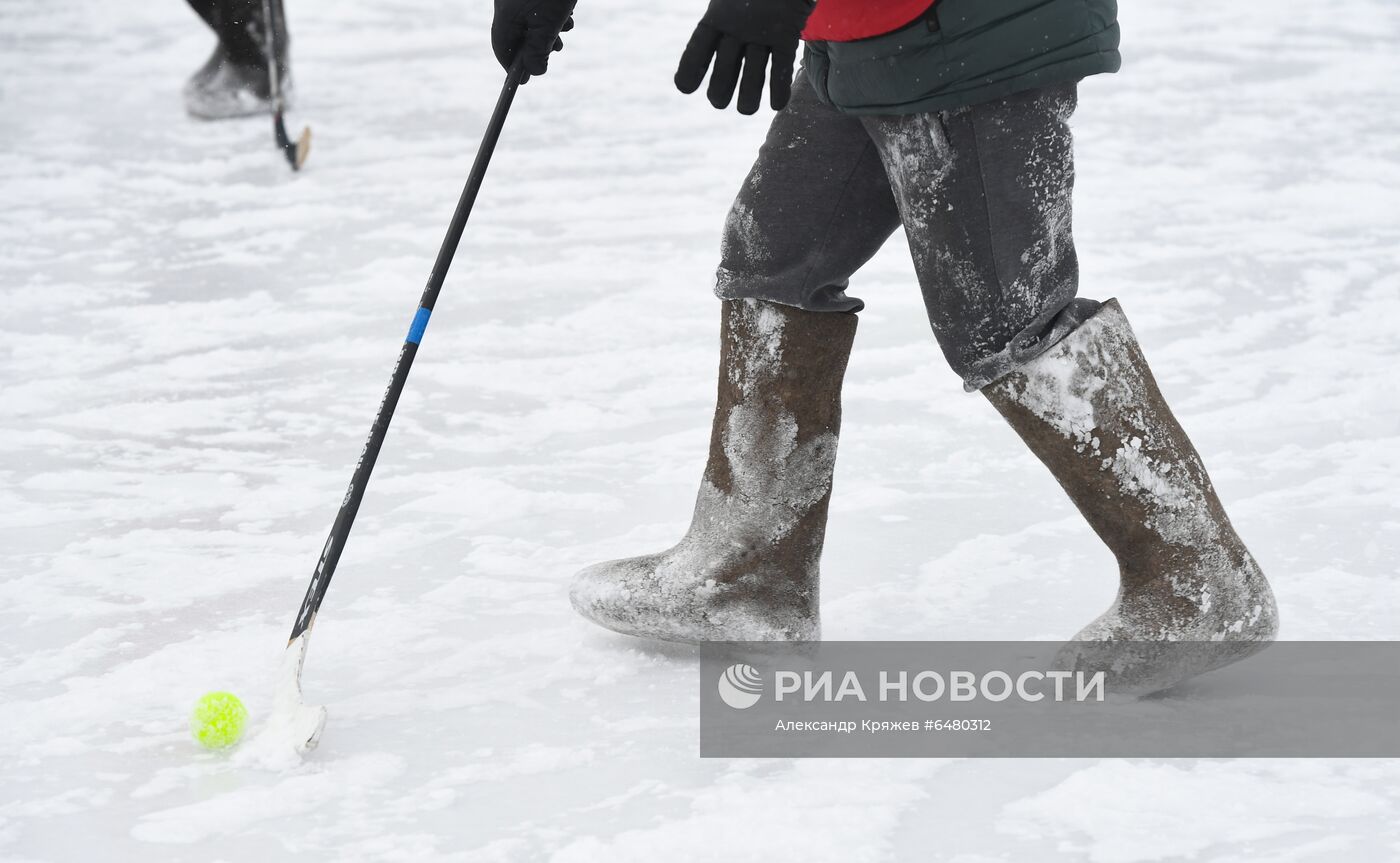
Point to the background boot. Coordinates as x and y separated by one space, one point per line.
234 81
747 569
1090 410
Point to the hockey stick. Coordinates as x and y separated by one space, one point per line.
303 723
296 152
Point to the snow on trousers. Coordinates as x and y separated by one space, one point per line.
984 194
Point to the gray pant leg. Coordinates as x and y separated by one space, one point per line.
239 26
985 194
815 207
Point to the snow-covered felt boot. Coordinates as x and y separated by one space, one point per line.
747 569
232 90
1091 411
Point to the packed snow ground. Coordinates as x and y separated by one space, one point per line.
194 342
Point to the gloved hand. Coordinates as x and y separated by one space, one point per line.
530 28
745 33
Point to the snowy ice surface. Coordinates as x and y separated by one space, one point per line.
194 341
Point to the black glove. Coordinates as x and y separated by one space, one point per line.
530 28
745 33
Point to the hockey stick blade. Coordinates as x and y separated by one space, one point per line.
301 149
295 151
294 724
293 728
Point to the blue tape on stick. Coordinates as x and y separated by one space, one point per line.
420 323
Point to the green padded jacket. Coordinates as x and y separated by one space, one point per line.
962 52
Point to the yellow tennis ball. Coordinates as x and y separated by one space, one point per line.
218 719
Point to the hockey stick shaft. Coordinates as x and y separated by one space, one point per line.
350 504
273 73
295 151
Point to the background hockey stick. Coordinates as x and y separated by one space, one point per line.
295 151
300 722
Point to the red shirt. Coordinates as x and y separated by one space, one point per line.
849 20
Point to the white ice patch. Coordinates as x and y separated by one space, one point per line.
1124 812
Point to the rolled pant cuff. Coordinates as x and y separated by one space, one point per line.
730 285
1030 344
